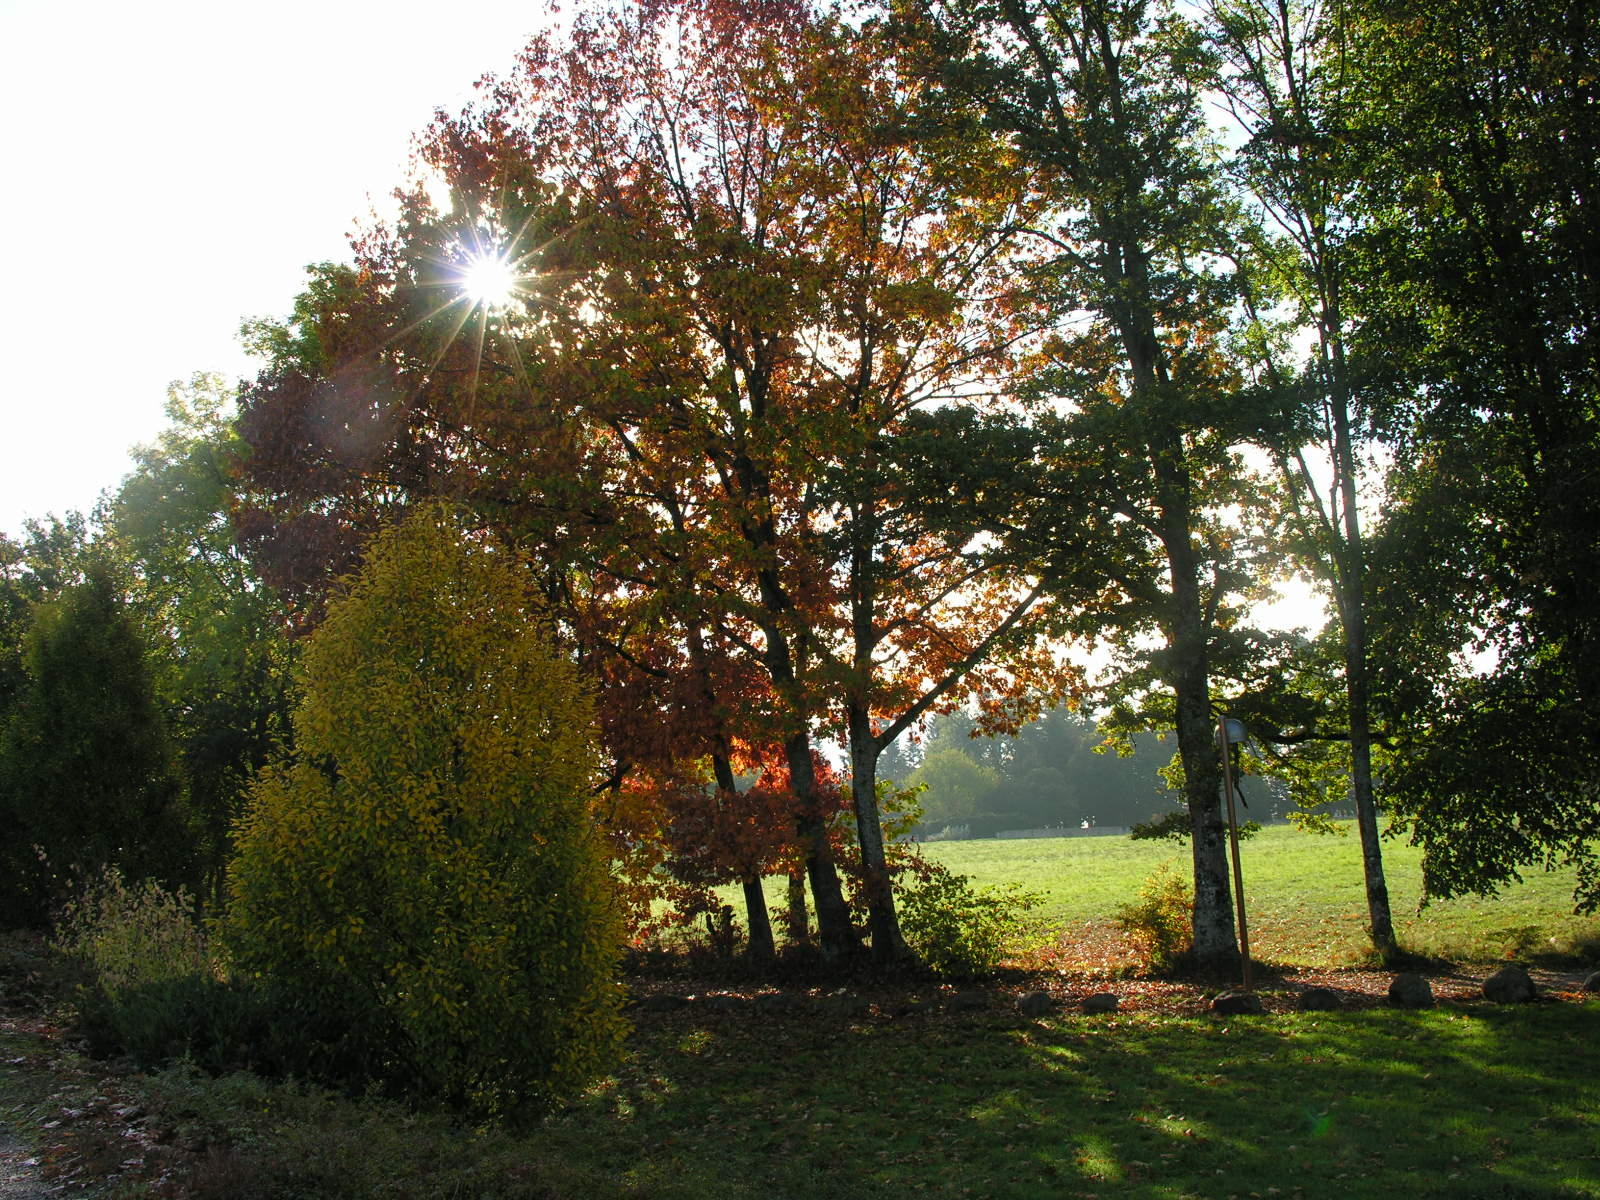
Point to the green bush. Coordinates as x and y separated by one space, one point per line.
145 967
426 868
959 930
146 986
1158 922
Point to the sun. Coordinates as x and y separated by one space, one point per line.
489 281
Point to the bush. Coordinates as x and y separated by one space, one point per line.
957 930
424 875
1159 921
145 965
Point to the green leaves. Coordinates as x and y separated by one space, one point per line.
87 777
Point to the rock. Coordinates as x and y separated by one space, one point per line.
1592 984
661 1002
1101 1002
1232 1004
1509 985
1036 1004
1410 990
970 1000
1319 999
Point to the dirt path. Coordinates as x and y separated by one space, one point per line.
19 1171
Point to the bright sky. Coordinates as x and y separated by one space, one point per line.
170 168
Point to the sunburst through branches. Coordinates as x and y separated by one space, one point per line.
490 281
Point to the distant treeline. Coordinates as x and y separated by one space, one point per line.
1052 774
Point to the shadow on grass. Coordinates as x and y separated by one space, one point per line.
1458 1103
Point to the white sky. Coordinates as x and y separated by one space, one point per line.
168 169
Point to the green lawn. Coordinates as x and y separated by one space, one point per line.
1462 1103
1304 895
884 1094
1360 1104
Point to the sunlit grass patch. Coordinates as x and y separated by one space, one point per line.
1305 895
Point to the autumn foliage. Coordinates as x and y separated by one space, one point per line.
747 259
426 865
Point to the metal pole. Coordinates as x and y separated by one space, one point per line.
1233 838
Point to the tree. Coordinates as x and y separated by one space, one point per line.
1054 771
1104 99
958 788
1477 146
48 559
220 654
739 277
87 777
1288 85
426 864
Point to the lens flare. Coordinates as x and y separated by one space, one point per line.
490 281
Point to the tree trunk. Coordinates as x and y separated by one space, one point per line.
882 922
755 901
761 945
1351 593
1213 928
798 926
836 934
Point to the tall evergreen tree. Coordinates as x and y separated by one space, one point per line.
87 777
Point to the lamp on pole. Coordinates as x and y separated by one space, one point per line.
1230 733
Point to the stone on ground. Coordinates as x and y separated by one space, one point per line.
1036 1004
1509 985
1410 990
1234 1004
1319 999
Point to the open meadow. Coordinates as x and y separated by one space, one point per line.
1303 891
803 1085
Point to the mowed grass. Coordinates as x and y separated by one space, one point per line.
1305 899
1466 1102
839 1098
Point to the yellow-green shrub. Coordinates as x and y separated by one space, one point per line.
140 951
1158 922
957 929
425 866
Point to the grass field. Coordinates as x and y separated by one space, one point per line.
1465 1102
883 1091
1305 900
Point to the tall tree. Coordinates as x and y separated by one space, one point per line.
1287 80
1477 139
49 558
220 655
736 276
1105 98
87 776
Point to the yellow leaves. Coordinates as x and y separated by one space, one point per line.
430 851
